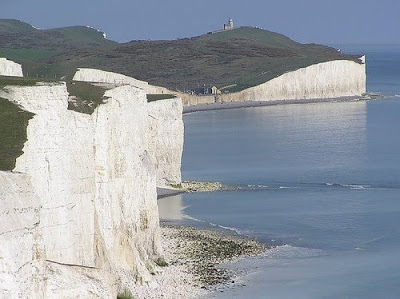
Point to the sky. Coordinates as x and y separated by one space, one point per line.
306 21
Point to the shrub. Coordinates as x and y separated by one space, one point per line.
161 262
126 294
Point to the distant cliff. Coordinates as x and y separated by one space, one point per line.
79 214
333 79
10 68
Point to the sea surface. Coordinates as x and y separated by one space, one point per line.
322 186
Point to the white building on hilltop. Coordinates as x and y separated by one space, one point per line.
229 26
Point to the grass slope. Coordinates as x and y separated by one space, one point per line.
37 50
14 122
239 58
242 57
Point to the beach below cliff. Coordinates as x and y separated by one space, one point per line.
247 104
192 263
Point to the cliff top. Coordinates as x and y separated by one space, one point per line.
232 60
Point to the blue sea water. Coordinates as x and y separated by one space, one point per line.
323 188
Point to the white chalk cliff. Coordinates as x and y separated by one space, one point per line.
10 68
79 216
166 124
99 76
333 79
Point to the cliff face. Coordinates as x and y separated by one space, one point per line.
166 124
79 212
339 78
324 80
10 68
167 138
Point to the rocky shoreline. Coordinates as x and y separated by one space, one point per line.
193 258
249 104
197 186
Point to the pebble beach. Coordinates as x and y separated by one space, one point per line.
193 258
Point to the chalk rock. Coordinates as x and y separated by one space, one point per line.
79 214
339 78
333 79
94 75
10 68
166 129
166 124
99 76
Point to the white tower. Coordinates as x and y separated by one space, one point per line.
230 23
229 26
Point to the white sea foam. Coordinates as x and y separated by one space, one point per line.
231 228
356 187
351 186
234 229
192 218
288 252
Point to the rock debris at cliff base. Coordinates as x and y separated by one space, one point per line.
193 258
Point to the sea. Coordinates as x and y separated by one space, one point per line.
320 184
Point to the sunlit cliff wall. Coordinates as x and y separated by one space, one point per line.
79 214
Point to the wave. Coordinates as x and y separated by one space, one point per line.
289 252
307 185
350 186
357 186
253 187
234 229
192 218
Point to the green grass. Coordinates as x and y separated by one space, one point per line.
88 96
14 120
81 36
266 37
20 81
159 96
125 294
27 54
15 26
13 124
45 53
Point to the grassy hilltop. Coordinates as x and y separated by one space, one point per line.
239 58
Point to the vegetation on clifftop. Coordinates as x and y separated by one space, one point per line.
152 97
14 122
239 58
84 97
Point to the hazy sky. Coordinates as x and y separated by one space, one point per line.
320 21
